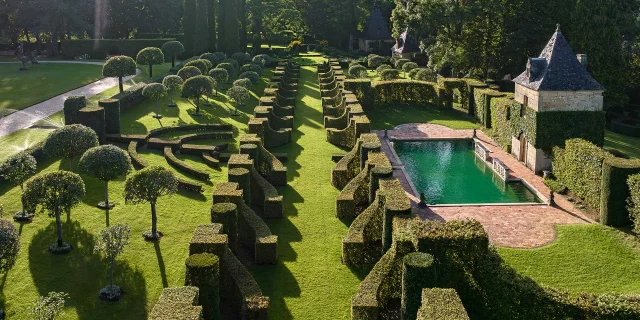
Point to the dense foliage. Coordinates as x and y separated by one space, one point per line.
634 201
119 67
251 75
9 245
150 56
70 141
106 162
220 76
189 72
173 49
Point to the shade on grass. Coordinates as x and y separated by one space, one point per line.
629 145
389 117
591 258
21 89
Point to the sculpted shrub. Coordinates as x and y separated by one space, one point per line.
173 83
119 67
189 72
70 141
17 169
173 49
252 76
150 56
389 74
155 91
220 76
195 87
105 163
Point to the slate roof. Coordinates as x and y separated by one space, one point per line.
376 27
560 70
406 43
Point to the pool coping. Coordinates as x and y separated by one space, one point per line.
414 191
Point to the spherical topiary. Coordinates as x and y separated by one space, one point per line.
119 67
55 192
242 82
17 169
375 61
9 245
227 66
201 64
424 74
220 76
381 68
413 72
195 87
172 49
252 76
154 91
150 56
241 57
189 72
358 71
214 59
70 141
251 67
400 62
146 186
233 62
220 56
239 94
173 84
264 59
106 162
409 66
389 74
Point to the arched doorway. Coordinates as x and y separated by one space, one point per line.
522 156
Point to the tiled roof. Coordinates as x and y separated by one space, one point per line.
560 70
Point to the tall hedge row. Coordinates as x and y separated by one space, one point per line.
101 48
405 91
615 190
634 200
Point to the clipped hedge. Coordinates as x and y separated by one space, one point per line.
183 166
404 91
131 96
579 167
418 271
615 190
93 117
441 304
226 214
177 303
136 159
208 238
634 200
203 271
270 138
265 162
72 105
101 48
348 137
242 295
111 115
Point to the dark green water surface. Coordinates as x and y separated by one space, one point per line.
448 172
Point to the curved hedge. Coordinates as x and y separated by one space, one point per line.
265 162
177 303
275 121
203 271
634 200
441 304
616 191
357 194
350 165
183 166
348 136
270 138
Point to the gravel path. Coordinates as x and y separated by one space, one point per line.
25 118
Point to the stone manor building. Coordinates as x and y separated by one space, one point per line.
555 81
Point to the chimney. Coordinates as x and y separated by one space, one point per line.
582 58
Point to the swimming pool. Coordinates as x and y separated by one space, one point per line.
448 172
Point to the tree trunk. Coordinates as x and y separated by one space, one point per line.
154 220
70 164
106 200
173 61
22 199
150 70
111 276
120 84
59 227
26 33
157 102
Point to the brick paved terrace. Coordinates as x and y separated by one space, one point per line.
515 226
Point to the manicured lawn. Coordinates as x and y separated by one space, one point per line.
626 144
21 89
388 118
592 258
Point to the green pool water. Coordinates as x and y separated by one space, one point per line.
448 172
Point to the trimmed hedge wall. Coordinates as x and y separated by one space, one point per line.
177 303
203 271
615 190
93 117
208 238
183 166
101 48
111 115
270 137
418 271
131 96
72 105
405 91
350 165
347 137
441 304
634 200
242 295
265 162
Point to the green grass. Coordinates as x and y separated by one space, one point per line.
626 144
592 258
22 89
388 118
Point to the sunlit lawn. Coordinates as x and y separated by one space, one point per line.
21 89
628 145
592 258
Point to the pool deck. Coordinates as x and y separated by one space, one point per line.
508 225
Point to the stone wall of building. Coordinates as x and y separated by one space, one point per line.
560 100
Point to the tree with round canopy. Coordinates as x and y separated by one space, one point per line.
358 71
211 57
241 57
173 84
229 67
70 141
189 72
407 67
155 91
172 49
220 76
9 245
111 242
55 192
150 56
119 67
252 76
202 64
242 82
195 87
17 169
220 56
239 94
106 163
375 61
49 307
146 186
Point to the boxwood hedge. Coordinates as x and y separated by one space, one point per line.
634 200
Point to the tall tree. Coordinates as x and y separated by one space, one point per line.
202 25
213 40
189 26
242 21
229 27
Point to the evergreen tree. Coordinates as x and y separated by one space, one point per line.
228 27
200 45
242 21
189 26
212 41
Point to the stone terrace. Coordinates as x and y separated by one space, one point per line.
515 226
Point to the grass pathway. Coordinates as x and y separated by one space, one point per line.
309 282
